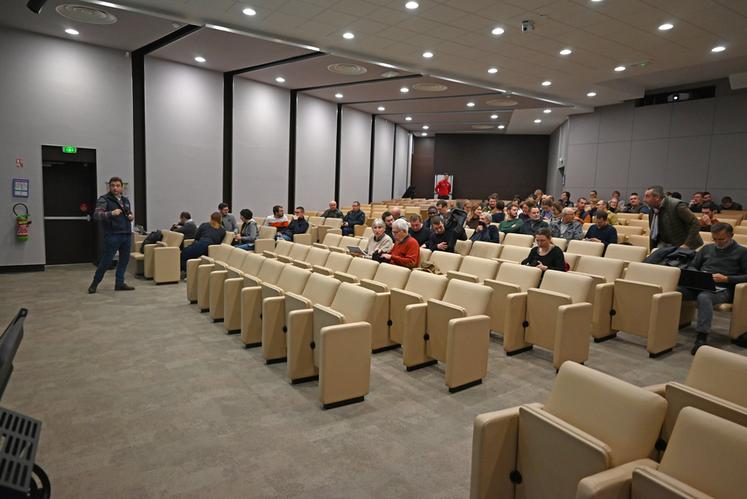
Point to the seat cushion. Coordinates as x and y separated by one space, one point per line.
719 373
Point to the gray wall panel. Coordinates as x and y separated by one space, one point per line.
315 152
728 162
731 114
355 156
647 160
651 122
401 180
581 165
613 160
584 129
692 118
687 162
616 123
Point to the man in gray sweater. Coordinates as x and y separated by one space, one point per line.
727 261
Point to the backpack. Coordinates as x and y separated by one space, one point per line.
151 238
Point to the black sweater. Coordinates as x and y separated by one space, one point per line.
553 260
206 232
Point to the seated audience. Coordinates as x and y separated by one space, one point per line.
524 208
406 250
453 219
499 214
332 211
696 202
613 205
227 219
568 227
533 223
185 225
512 223
354 217
396 213
615 195
708 198
546 213
418 230
493 203
708 216
545 255
557 212
602 231
603 205
388 218
728 204
279 219
635 206
485 231
593 197
249 232
208 233
380 242
473 217
677 195
727 261
441 239
299 225
432 212
565 199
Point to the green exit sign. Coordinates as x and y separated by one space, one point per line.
69 149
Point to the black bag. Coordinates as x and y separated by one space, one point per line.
151 238
672 256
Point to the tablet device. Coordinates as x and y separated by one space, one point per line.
355 250
695 279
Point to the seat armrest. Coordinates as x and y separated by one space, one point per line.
374 286
657 389
614 483
664 321
188 242
445 310
572 333
323 270
320 245
462 276
652 483
269 254
345 277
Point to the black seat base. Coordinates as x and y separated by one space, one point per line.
460 388
341 403
420 366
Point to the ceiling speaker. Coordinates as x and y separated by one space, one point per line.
430 87
348 69
85 14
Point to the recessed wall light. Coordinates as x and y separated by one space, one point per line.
381 108
408 118
501 127
470 104
348 35
718 48
200 59
404 90
71 31
620 68
412 5
492 70
493 116
428 54
426 127
280 79
538 121
546 83
248 11
424 134
547 111
339 96
666 26
497 31
591 94
566 52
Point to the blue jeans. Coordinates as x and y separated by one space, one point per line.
246 246
706 301
112 244
194 250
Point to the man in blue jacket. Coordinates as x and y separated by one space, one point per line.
115 216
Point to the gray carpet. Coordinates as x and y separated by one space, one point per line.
142 396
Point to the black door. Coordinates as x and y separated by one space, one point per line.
69 200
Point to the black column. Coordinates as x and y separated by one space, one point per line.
394 158
292 151
371 159
228 138
338 147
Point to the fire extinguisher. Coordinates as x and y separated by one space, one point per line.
22 222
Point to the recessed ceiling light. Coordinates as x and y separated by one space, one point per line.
547 111
348 35
501 127
248 11
200 59
566 52
404 90
718 48
381 108
493 116
470 104
408 118
546 83
498 31
428 54
620 68
71 31
280 79
591 94
412 5
666 27
492 70
339 96
426 127
538 120
596 1
424 134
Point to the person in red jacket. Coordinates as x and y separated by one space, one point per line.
406 252
443 188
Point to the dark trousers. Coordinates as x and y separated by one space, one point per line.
112 244
706 301
443 197
194 250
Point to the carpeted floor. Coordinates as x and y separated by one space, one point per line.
142 396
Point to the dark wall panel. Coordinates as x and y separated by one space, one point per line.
482 164
421 171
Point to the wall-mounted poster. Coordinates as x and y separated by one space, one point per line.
20 187
443 185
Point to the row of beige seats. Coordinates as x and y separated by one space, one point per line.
600 437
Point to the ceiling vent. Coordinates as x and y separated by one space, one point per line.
429 87
348 69
85 14
502 102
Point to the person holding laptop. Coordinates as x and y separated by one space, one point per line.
726 260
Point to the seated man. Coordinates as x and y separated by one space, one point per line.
634 205
299 225
696 202
441 239
603 205
278 220
602 231
498 214
708 216
354 217
406 250
249 231
532 224
418 231
388 218
380 242
565 199
583 210
432 212
332 211
728 204
227 219
485 231
512 222
185 225
708 198
396 213
208 233
727 261
568 227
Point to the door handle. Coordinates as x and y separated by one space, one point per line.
87 218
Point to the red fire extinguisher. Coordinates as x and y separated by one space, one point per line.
22 222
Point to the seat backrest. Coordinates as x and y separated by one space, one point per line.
331 239
484 249
316 221
354 302
270 271
393 276
523 240
367 233
625 417
346 241
362 268
252 263
719 373
228 237
293 279
560 242
320 289
625 252
741 239
523 276
608 268
483 268
427 285
267 232
219 252
590 248
236 258
299 251
463 247
283 247
172 239
335 223
514 253
660 275
629 230
577 286
707 453
316 256
473 297
640 241
425 255
338 262
446 261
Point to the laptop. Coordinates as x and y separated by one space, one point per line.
695 279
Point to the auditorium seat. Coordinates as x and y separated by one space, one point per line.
511 278
232 286
333 343
560 242
556 316
251 306
640 241
266 239
420 287
282 247
627 217
446 261
297 252
626 253
387 278
591 422
582 247
425 255
216 260
216 279
162 265
215 250
474 269
642 223
522 240
315 256
336 262
628 230
485 249
603 271
330 240
515 254
359 268
454 330
647 303
463 247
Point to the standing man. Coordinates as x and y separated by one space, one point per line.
114 213
671 223
443 188
227 220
